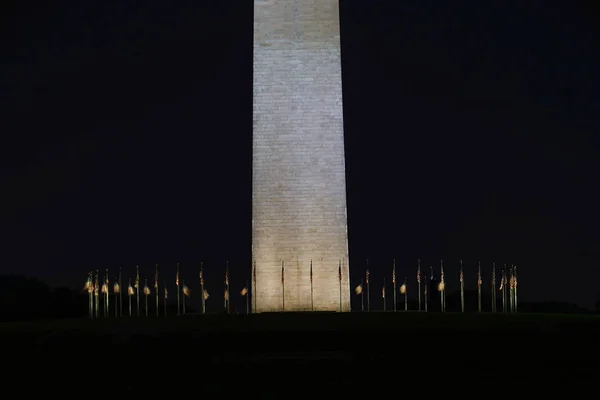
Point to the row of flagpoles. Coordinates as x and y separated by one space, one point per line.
507 288
94 287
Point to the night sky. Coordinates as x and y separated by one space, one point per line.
471 132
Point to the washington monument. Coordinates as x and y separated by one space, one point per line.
299 214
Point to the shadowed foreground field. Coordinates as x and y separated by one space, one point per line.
304 352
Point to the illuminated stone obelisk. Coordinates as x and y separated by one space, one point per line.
298 171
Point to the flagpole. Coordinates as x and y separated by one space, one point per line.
479 282
156 288
383 292
462 288
443 287
103 297
120 293
426 285
515 286
405 295
97 294
146 295
510 285
227 287
107 294
282 286
177 287
103 301
116 303
312 299
137 289
503 285
202 286
419 281
494 287
394 281
340 279
90 290
368 289
362 296
129 296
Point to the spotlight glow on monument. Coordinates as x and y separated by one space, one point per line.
298 181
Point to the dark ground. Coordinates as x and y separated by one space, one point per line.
263 354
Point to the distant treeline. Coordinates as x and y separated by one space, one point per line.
23 298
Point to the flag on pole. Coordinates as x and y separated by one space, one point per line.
383 291
311 273
116 288
177 276
227 276
226 294
137 277
244 291
394 273
403 287
186 291
254 273
367 277
419 273
146 288
358 289
166 293
156 278
282 273
462 278
205 294
340 271
479 279
130 290
88 284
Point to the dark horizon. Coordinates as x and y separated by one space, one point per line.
470 133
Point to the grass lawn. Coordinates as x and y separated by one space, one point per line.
305 350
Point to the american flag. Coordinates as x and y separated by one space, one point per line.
311 274
137 277
282 273
201 278
383 292
156 278
227 277
479 280
419 273
254 273
340 271
442 273
462 278
166 293
394 273
177 277
367 277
